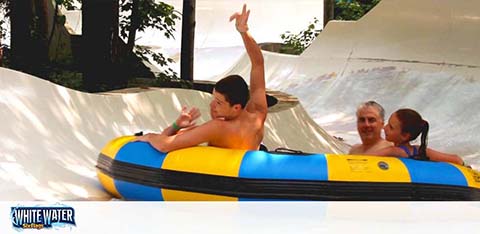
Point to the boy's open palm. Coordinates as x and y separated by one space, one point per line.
241 19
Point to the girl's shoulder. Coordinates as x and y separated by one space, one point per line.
400 151
407 152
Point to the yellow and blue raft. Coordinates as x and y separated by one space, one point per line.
136 171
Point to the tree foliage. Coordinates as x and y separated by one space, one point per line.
153 15
3 31
353 9
140 15
344 10
3 11
68 4
28 34
297 43
134 16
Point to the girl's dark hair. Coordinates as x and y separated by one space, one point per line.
413 124
235 90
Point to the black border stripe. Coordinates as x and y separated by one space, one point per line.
282 189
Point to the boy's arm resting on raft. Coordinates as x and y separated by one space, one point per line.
204 133
185 121
169 131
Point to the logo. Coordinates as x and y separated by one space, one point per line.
383 165
40 217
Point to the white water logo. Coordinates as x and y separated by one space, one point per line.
40 217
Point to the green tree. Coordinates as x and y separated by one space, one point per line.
113 62
4 6
109 54
344 10
3 31
28 33
297 43
140 15
99 45
353 9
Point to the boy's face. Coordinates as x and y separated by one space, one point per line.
221 108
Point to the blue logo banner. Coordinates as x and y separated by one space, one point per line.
40 217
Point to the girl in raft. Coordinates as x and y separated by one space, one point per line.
405 125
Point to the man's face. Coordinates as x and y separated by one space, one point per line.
219 107
369 124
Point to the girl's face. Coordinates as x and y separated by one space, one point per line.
393 131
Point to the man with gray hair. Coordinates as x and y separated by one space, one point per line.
370 121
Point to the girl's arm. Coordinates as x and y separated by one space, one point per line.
443 157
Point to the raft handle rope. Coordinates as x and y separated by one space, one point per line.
282 150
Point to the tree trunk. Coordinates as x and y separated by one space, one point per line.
188 40
328 9
41 39
29 36
1 52
134 22
21 16
100 45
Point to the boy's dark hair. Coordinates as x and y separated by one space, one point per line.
235 90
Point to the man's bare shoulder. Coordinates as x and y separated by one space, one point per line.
382 144
356 149
360 148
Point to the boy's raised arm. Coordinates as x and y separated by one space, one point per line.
258 100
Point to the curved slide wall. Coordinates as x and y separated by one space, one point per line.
50 136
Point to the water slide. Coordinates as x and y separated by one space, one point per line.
51 136
423 55
404 53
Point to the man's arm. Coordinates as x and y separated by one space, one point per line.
203 133
258 100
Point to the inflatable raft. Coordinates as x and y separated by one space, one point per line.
136 171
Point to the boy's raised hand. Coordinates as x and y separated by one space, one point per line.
187 118
241 19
